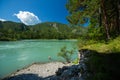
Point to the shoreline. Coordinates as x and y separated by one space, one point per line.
39 39
40 69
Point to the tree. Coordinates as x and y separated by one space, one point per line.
102 13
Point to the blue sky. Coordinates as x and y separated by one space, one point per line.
38 10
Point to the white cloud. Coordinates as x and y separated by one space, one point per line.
27 17
2 19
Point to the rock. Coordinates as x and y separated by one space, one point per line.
61 70
75 72
66 73
75 78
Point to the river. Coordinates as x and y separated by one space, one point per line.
15 55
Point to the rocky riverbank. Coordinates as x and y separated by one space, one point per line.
54 71
41 71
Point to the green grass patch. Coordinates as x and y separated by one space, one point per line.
111 46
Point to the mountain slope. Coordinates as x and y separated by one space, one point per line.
48 30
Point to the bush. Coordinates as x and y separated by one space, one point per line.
66 54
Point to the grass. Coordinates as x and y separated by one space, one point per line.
111 46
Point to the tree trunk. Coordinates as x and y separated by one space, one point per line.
117 18
100 17
105 19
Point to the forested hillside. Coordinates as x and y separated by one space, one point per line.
48 30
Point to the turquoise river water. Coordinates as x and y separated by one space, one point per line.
15 55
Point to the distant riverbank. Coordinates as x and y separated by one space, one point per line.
42 39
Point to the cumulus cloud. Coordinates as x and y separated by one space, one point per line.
27 17
2 19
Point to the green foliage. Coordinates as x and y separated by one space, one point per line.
104 17
76 61
49 30
66 54
80 9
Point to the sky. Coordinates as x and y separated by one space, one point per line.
31 12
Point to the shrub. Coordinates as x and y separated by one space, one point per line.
66 54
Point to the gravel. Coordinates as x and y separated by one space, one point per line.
42 70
